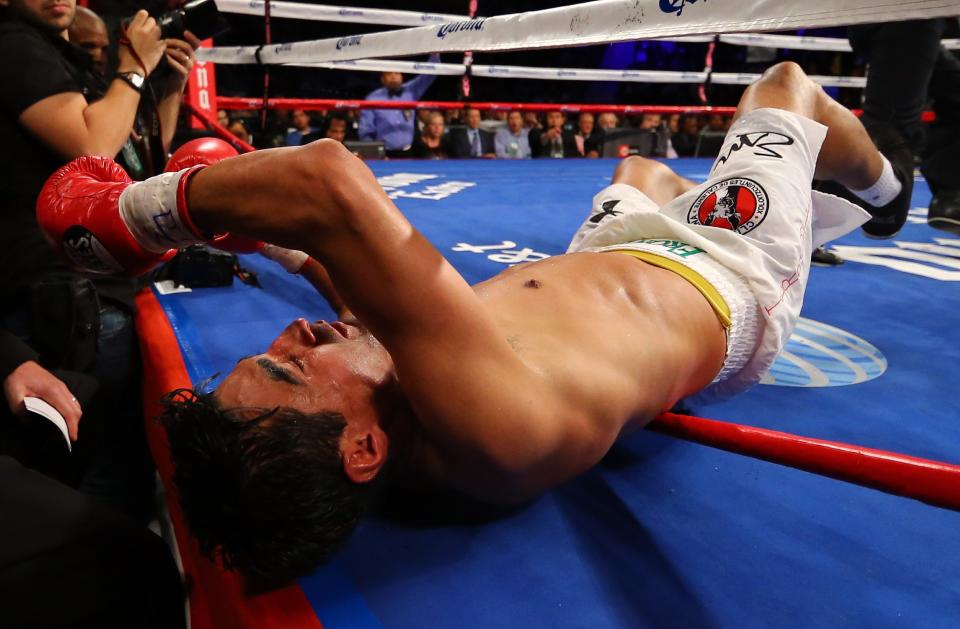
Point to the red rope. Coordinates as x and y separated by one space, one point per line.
242 102
222 132
929 481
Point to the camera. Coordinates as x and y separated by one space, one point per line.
200 17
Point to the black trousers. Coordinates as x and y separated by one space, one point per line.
68 561
907 68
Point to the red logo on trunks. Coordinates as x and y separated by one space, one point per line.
737 204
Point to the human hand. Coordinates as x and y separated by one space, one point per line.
141 47
181 56
30 379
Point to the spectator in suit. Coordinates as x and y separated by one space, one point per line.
554 140
103 569
394 127
589 138
608 120
432 143
512 141
471 141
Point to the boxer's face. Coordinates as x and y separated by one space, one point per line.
312 367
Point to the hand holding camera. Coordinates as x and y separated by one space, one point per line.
180 56
141 47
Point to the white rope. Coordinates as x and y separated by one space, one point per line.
794 42
330 13
746 78
512 72
603 21
387 65
579 74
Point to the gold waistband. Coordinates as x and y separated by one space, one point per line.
711 294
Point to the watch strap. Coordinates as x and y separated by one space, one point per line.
128 78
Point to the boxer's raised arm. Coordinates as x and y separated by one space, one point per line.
464 381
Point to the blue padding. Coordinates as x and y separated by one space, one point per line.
662 533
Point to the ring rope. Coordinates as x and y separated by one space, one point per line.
933 482
245 102
331 13
602 21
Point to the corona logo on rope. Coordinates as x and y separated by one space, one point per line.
820 355
458 27
346 42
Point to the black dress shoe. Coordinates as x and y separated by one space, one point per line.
886 220
945 211
822 257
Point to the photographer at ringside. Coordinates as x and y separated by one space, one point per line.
54 107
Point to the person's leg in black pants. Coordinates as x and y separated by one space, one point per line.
907 68
117 465
68 561
900 60
941 157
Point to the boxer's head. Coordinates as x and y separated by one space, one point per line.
275 468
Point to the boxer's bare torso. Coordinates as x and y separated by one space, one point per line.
517 384
606 338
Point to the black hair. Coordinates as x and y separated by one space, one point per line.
263 490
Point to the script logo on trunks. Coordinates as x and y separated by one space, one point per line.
346 42
762 143
456 27
737 204
676 6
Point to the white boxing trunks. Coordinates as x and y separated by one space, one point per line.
748 230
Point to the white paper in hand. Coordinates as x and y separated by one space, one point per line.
42 408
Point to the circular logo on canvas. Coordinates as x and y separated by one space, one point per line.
737 204
821 355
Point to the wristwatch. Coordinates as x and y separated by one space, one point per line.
133 79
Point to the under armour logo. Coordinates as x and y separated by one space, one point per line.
608 210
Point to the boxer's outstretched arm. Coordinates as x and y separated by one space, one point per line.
464 381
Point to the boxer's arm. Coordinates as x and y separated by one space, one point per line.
484 407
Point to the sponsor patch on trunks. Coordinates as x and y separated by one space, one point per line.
738 204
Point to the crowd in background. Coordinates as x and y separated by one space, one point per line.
493 134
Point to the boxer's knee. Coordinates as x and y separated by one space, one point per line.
323 166
638 166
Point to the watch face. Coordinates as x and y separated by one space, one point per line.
136 79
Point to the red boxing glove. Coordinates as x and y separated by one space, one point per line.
200 152
104 223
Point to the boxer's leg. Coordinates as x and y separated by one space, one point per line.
654 179
848 155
